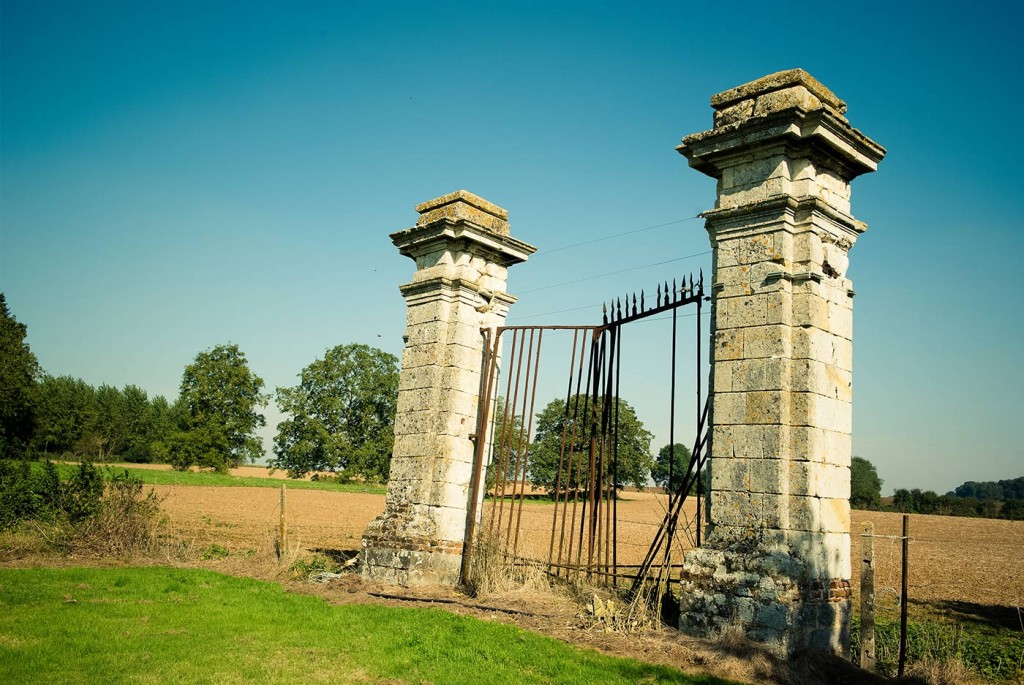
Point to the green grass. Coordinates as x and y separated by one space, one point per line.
162 625
155 477
994 653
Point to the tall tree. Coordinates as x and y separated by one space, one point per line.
19 370
67 415
576 422
508 444
222 397
342 415
865 485
109 425
679 459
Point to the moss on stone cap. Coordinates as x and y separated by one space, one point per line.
464 205
780 80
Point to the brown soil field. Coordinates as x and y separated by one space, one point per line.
963 564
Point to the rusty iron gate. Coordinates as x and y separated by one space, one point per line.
582 539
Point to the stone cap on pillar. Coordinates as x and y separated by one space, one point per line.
785 109
462 220
793 88
464 205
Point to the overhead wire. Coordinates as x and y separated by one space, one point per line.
615 235
612 273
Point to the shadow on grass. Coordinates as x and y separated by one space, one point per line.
982 615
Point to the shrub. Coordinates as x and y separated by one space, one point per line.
87 512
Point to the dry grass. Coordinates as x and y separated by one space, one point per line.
949 672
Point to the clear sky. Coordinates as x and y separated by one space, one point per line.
181 174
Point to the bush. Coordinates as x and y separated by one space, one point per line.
127 519
1013 509
18 497
87 512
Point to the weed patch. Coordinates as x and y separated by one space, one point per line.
938 650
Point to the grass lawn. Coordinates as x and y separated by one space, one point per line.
154 477
163 625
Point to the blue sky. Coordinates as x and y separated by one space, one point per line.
175 175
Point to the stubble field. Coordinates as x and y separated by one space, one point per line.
962 564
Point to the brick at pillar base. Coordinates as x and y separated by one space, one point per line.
767 595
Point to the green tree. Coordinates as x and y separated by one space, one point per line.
1012 509
679 461
19 370
109 422
577 424
865 485
66 415
222 397
165 421
342 415
508 444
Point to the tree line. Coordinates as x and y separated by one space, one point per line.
341 412
989 499
340 419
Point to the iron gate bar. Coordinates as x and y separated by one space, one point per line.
518 445
529 429
561 453
697 460
477 477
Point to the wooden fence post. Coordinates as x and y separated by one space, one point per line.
903 595
867 599
282 532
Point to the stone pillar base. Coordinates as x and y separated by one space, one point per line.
767 595
402 549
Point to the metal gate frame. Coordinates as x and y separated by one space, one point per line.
598 389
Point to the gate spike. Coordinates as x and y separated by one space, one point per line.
675 291
618 314
634 304
642 308
659 294
604 314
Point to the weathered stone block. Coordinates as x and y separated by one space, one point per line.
751 310
837 447
767 341
728 345
721 378
747 374
812 343
810 310
770 407
730 408
779 308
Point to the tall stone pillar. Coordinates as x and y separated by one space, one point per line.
462 249
777 559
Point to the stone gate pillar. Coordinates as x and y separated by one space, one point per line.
777 558
462 248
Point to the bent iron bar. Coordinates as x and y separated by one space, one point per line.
584 527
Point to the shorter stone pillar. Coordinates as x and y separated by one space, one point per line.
776 562
462 248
